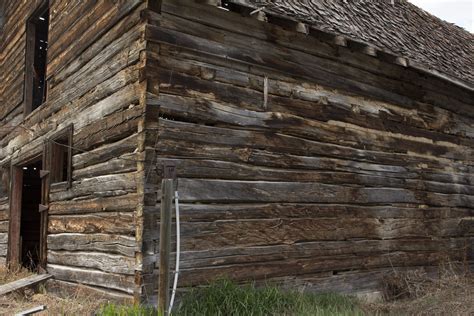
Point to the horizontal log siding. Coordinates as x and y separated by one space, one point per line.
94 63
352 165
12 67
11 94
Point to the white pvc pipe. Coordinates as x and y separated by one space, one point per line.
178 250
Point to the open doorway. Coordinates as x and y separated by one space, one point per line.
30 219
26 223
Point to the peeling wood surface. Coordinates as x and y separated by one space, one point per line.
354 166
293 153
94 277
94 62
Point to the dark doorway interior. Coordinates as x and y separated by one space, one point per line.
30 216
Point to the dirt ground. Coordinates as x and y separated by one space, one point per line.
77 304
413 293
55 305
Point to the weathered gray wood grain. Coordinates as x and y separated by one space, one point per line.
100 243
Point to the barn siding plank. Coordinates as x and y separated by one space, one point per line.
352 164
95 58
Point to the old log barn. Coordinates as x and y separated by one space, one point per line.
317 143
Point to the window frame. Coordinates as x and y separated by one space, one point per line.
30 58
54 149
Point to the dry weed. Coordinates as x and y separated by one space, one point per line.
73 305
10 275
416 292
79 303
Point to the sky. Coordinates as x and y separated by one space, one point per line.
460 12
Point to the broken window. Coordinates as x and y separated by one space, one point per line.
36 52
61 157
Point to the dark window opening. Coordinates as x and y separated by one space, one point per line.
234 7
59 160
30 231
61 157
37 48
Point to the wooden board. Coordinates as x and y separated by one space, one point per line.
24 283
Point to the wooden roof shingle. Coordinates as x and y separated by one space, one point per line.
398 27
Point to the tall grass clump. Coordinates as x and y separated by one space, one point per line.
224 297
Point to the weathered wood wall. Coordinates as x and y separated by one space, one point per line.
351 166
94 60
4 206
348 166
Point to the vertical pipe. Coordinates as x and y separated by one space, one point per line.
178 252
167 190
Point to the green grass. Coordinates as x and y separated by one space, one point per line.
225 298
126 310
